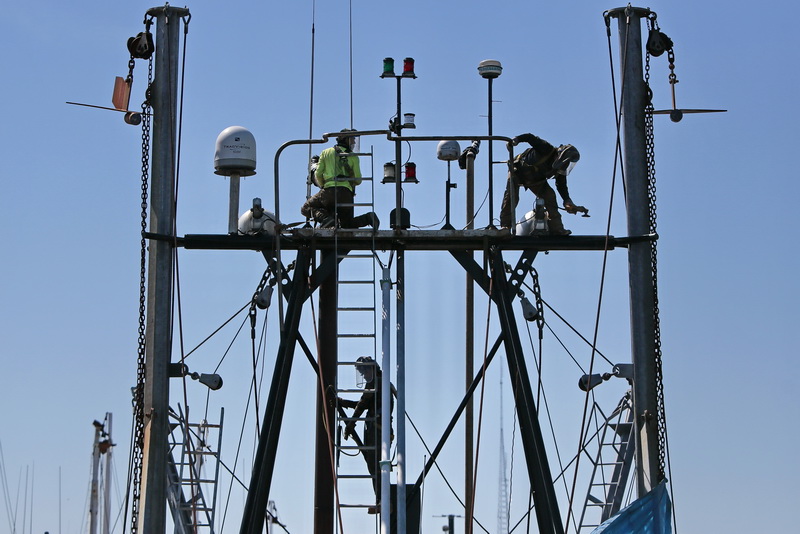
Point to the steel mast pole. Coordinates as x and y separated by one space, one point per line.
642 305
93 496
158 342
107 488
469 356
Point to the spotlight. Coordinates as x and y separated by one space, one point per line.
588 382
212 381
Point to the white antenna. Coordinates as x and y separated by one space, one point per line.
502 490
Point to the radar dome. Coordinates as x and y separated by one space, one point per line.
235 152
448 150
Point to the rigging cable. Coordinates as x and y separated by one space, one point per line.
311 92
471 512
617 158
351 63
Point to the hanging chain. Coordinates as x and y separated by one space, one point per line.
651 196
537 293
138 411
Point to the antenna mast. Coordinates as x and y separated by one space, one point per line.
502 491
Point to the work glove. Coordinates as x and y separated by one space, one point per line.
349 429
573 209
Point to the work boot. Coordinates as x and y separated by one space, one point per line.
374 221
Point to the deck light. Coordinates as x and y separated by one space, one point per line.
408 68
588 382
388 68
408 120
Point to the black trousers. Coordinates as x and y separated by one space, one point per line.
334 200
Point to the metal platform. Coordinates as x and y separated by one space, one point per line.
329 239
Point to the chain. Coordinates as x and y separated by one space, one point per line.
537 293
651 196
138 410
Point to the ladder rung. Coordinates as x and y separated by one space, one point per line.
353 476
352 390
355 335
356 418
357 281
342 505
357 308
195 508
204 425
197 481
370 256
356 448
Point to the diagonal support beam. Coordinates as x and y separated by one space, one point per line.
502 293
255 510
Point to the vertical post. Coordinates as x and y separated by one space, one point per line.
491 159
398 166
93 496
328 358
401 392
158 339
469 364
233 205
490 69
386 394
640 272
107 487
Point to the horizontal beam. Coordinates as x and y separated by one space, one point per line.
447 240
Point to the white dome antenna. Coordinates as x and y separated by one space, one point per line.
235 156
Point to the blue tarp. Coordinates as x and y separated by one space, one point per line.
648 515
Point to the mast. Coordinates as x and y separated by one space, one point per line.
642 304
93 500
153 498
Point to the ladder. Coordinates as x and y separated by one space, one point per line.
611 466
356 311
192 492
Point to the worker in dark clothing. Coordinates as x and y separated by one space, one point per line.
369 404
337 173
531 169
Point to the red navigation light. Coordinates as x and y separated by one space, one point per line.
411 173
408 68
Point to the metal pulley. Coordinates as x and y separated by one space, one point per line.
658 42
141 46
529 311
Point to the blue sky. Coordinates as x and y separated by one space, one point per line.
727 260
